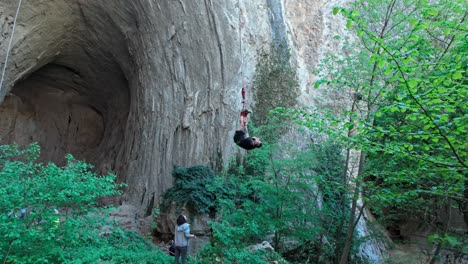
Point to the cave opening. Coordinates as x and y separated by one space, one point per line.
77 103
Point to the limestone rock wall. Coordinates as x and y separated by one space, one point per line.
137 87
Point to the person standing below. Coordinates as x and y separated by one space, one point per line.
181 238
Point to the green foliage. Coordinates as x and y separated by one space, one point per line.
198 187
405 104
420 126
456 242
78 232
331 181
275 194
213 254
275 82
190 189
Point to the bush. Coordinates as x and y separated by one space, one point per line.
190 189
33 231
213 254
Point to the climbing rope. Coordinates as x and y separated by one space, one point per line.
9 44
241 25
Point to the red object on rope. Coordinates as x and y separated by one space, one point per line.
243 98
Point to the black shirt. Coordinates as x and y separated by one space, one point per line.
242 140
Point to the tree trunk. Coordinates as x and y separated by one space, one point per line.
352 215
344 182
465 204
436 253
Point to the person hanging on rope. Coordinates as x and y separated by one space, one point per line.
241 137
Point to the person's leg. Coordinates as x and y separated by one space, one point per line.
243 119
183 254
177 254
246 131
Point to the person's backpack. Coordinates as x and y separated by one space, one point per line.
172 248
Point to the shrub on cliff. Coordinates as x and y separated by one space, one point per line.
190 189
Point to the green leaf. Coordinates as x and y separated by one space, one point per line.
336 10
388 71
381 64
432 12
412 83
394 109
457 75
318 83
413 22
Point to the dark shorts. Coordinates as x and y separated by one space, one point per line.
239 136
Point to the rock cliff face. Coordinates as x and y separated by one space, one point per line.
137 87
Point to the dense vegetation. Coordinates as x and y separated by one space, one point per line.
406 74
191 190
50 214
